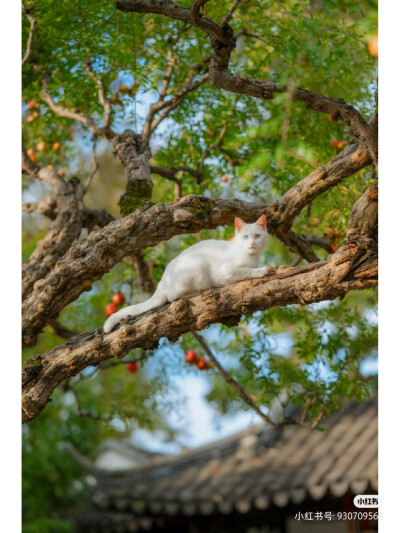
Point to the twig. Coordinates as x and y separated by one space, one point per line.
95 167
296 261
217 144
72 114
232 382
143 357
228 17
144 278
62 331
104 101
79 412
32 26
151 124
171 174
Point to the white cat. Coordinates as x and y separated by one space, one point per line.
206 265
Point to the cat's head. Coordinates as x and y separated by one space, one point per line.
251 237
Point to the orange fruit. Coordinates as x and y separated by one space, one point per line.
111 309
373 46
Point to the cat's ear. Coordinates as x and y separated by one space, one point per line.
262 221
239 224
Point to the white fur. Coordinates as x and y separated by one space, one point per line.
205 265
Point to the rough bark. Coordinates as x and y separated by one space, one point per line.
324 280
65 206
134 154
89 259
353 267
65 229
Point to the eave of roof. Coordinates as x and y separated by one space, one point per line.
278 469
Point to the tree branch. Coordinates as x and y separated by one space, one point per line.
90 258
104 101
62 331
46 207
321 242
223 42
152 123
350 268
134 153
32 27
144 278
73 115
95 167
228 17
79 411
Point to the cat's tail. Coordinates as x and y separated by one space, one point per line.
158 298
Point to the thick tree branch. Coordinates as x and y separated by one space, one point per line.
134 153
62 233
295 199
44 174
65 206
170 9
350 268
95 217
91 258
195 10
300 243
46 207
65 229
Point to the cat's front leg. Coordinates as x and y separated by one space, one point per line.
261 272
233 274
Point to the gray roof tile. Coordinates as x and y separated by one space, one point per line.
252 469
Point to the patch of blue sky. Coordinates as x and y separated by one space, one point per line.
325 330
369 367
196 421
321 371
371 316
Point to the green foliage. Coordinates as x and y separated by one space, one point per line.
48 525
301 354
52 482
296 354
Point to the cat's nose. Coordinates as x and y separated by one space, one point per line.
252 244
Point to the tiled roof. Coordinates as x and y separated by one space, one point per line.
255 469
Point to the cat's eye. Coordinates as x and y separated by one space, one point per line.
245 236
257 235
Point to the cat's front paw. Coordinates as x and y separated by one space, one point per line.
110 323
265 271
